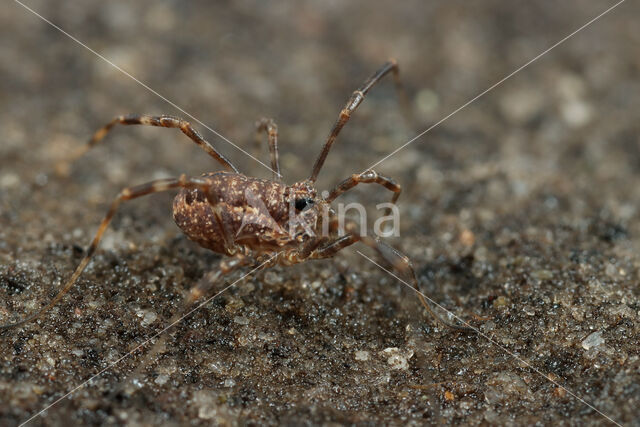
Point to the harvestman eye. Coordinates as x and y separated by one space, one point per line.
303 204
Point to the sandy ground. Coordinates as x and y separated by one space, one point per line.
520 214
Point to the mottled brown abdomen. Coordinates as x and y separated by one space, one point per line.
195 217
238 213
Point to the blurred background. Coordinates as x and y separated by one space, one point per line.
521 208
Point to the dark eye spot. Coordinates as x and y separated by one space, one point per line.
304 203
188 199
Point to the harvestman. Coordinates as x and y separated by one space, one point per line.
213 209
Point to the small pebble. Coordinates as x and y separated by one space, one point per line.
397 359
205 400
427 101
500 302
466 403
487 326
42 179
161 379
593 340
362 355
521 105
233 305
149 317
207 412
467 237
576 113
241 320
9 180
611 270
542 275
271 278
263 336
504 386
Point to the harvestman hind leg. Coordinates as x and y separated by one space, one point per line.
200 289
390 255
128 193
352 104
269 126
160 121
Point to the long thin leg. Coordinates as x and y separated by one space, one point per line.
201 288
126 194
368 177
352 104
397 260
304 251
161 121
269 126
225 267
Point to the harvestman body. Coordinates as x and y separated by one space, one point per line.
212 210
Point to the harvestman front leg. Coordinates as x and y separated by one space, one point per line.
367 177
395 258
129 193
352 104
161 121
269 126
